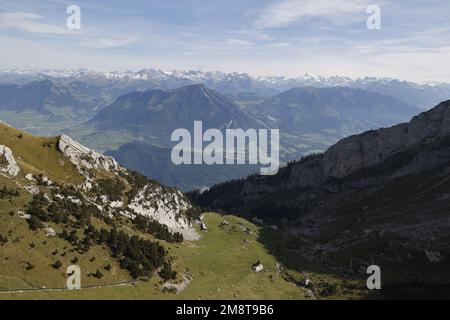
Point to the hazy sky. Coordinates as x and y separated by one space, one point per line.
260 37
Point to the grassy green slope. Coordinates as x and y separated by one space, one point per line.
220 265
38 155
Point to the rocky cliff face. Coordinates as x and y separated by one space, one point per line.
152 200
383 193
69 171
7 162
410 147
373 147
167 210
83 157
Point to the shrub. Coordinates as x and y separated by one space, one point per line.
166 272
6 192
29 266
35 223
97 274
3 239
113 189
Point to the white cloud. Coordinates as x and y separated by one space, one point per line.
287 12
107 43
30 22
279 44
239 42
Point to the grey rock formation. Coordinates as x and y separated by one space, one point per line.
162 204
82 156
373 147
413 140
10 166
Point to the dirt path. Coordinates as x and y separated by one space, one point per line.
121 284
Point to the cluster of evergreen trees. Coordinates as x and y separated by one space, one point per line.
157 229
37 212
112 188
137 181
229 191
61 210
193 213
139 256
7 192
166 272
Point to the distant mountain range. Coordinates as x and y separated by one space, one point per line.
61 101
309 120
48 106
419 95
123 113
155 114
152 116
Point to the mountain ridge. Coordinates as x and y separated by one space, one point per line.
304 115
363 151
421 95
309 119
90 173
380 197
157 113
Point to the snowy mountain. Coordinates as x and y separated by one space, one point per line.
420 95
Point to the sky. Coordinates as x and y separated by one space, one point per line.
258 37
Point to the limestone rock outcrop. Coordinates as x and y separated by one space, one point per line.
83 157
162 204
8 163
412 141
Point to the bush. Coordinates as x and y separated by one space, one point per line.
193 213
166 272
3 239
97 274
6 192
113 189
57 264
29 266
37 212
35 223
